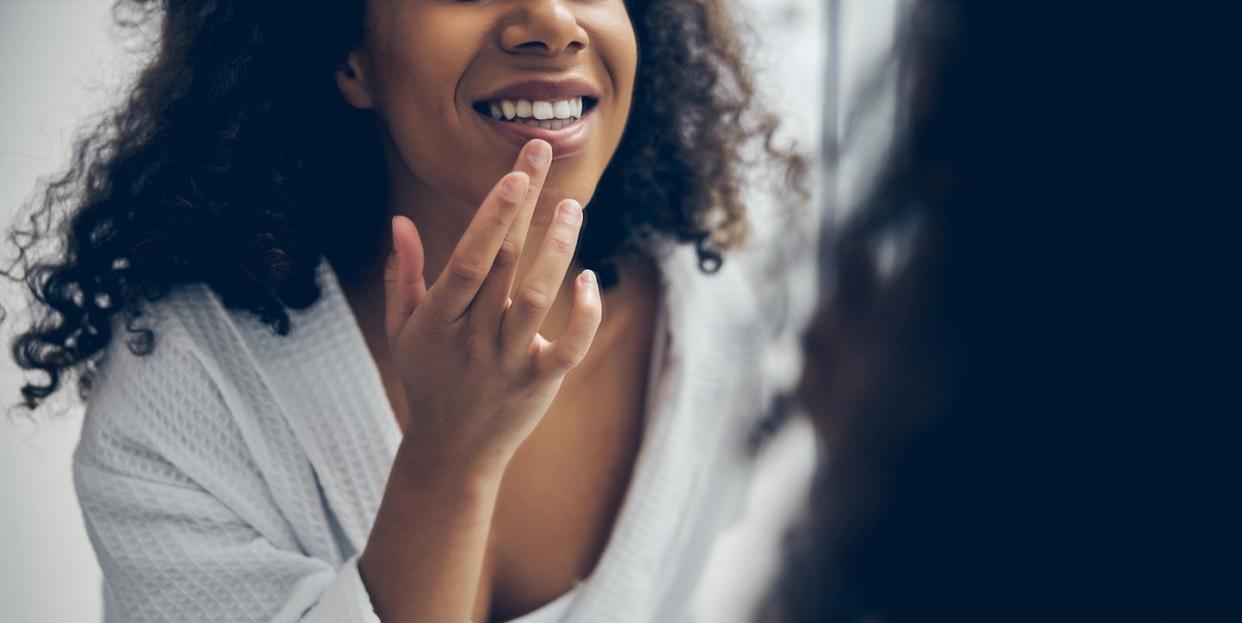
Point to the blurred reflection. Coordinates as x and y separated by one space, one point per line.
981 357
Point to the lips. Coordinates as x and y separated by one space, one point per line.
544 90
568 138
556 111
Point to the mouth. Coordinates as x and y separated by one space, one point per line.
543 114
562 111
565 123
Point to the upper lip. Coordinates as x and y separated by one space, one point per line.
545 90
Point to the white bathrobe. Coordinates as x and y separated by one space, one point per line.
234 474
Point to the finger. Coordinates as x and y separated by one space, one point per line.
404 286
475 253
571 347
534 160
538 290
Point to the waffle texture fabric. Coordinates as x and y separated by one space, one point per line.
234 474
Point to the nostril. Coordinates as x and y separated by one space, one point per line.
544 48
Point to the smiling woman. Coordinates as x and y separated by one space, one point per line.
384 383
432 70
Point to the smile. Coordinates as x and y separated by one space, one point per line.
565 123
549 115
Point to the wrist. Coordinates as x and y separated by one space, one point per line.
447 480
429 538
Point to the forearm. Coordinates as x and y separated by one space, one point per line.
424 559
425 554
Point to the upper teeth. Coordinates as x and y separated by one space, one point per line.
538 109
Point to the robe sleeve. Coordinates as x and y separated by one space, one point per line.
169 548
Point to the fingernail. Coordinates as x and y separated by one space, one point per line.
570 212
588 279
514 187
539 153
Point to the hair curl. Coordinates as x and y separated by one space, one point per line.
230 160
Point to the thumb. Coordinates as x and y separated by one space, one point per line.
404 285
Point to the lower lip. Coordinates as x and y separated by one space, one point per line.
565 142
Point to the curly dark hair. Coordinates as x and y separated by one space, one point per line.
229 161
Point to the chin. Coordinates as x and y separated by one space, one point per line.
566 185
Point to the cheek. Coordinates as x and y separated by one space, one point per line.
618 45
615 43
409 104
413 66
417 72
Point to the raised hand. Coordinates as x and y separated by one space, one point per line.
477 375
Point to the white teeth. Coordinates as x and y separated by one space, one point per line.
558 114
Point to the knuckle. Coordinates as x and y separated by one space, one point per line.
446 316
532 300
536 187
564 359
510 251
467 272
561 243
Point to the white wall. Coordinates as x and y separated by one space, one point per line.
59 62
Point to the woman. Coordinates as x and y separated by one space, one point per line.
311 422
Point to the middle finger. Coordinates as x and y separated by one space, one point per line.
543 282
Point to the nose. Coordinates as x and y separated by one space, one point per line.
543 28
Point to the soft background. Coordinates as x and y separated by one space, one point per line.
63 62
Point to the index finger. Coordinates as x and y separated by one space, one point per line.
535 159
472 259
